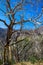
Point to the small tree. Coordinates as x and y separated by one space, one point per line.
10 13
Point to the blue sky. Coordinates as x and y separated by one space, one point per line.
31 11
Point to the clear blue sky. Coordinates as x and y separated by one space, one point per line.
32 11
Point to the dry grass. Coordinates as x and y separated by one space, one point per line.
28 63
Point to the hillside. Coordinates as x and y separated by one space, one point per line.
32 46
3 32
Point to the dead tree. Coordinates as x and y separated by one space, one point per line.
10 13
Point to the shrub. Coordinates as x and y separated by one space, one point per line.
33 59
1 62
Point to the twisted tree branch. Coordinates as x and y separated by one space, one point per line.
3 22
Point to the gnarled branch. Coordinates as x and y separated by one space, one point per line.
18 41
3 22
24 21
18 5
8 3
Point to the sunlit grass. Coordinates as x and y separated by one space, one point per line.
29 63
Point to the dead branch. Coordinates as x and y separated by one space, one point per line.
3 22
18 41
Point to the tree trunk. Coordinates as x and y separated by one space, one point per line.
7 50
6 54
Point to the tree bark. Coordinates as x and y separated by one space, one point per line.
7 50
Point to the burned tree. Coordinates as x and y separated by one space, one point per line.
10 13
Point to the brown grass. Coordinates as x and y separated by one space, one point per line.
28 63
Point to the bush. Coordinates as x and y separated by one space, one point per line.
33 59
13 61
1 62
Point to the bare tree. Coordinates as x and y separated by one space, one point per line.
10 13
